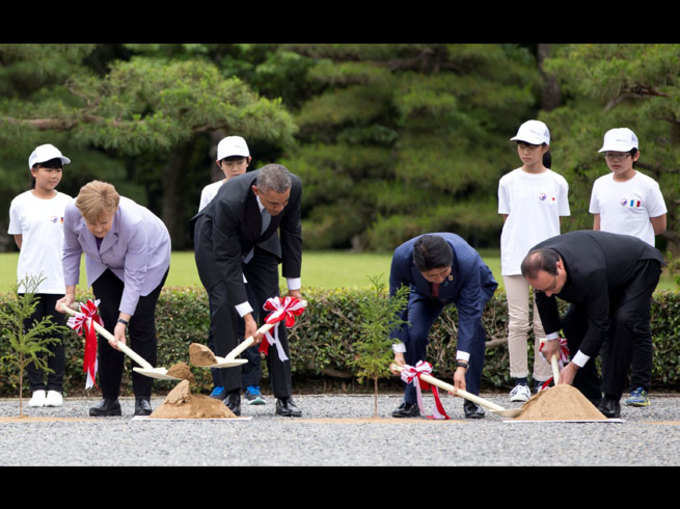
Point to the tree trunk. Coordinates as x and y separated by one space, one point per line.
375 398
551 95
21 385
172 195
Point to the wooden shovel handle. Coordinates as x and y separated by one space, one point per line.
246 343
458 392
123 347
555 369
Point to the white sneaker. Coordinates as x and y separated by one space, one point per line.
38 399
520 393
54 398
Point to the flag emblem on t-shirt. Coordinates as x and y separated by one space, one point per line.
631 203
542 196
56 219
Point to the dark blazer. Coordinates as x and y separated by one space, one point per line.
470 285
599 265
235 223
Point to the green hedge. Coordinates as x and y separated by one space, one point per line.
323 337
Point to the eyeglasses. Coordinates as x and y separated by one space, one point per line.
616 156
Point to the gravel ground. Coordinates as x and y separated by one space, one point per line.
336 430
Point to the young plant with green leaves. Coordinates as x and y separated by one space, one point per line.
27 345
380 314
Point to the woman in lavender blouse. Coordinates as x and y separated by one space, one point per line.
127 258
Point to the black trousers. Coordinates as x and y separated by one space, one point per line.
226 331
629 342
422 312
141 335
55 360
226 328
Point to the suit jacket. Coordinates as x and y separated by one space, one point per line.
236 222
136 249
469 287
599 265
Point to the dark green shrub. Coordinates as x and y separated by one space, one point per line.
322 340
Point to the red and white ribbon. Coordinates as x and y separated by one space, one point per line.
410 374
282 310
83 323
562 360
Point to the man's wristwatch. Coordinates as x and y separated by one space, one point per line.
462 364
124 322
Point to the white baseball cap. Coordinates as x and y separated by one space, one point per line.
232 146
534 132
620 139
44 153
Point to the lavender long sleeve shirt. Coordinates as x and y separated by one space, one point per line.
136 249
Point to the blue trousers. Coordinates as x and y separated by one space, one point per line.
422 312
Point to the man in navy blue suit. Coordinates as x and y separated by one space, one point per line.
441 268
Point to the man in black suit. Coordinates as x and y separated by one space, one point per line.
237 251
609 280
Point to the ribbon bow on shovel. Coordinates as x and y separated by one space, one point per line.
83 322
411 374
282 311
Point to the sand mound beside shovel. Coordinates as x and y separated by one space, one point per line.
562 402
180 403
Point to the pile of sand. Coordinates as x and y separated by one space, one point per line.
561 402
180 403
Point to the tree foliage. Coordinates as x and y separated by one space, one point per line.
390 140
618 85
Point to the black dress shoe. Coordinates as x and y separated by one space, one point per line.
286 408
106 408
233 401
610 407
142 406
406 410
472 410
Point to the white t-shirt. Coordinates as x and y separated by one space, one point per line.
41 225
534 204
208 193
625 207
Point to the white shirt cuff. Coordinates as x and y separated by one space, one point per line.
551 336
244 308
294 283
580 359
463 356
399 348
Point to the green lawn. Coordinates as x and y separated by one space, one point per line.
321 269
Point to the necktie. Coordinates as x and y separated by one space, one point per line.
266 219
435 289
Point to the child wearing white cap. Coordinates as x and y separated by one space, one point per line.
233 158
531 199
629 202
625 200
36 220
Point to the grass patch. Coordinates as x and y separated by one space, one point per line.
320 269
